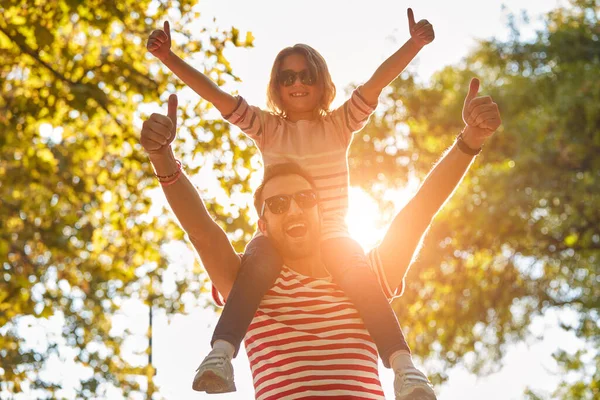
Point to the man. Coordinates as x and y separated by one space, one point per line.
307 339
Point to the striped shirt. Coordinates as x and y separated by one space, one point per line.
319 146
307 340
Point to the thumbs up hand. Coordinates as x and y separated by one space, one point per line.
159 42
420 32
159 130
481 115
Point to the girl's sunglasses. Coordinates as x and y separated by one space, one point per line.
281 203
288 77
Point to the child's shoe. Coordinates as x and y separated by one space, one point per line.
411 384
215 374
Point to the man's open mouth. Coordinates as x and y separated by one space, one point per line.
296 229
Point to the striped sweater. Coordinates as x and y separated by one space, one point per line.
307 340
319 146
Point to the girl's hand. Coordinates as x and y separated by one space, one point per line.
481 115
159 130
159 42
421 32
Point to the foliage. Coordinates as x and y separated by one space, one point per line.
75 236
521 235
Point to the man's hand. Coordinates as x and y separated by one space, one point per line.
481 115
421 32
159 130
159 42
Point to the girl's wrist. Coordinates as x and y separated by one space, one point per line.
416 43
168 57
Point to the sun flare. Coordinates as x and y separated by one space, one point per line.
363 214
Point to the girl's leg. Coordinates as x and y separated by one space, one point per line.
261 265
345 260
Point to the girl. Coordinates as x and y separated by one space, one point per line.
300 127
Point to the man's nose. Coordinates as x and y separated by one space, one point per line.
294 208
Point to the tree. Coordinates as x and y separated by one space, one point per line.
75 239
521 235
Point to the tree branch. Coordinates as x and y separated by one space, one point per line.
102 99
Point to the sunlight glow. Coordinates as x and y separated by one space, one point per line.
363 214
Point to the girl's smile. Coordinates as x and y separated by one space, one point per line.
300 90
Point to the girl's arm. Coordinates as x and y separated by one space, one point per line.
421 34
159 44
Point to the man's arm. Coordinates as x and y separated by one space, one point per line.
404 235
421 34
402 239
218 256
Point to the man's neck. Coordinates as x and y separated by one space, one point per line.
310 266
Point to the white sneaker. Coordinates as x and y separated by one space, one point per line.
215 374
413 385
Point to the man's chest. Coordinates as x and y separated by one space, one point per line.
306 312
304 337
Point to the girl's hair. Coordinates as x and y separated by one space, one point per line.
316 64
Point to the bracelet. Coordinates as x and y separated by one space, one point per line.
462 146
167 180
172 181
167 177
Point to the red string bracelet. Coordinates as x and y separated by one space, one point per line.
167 177
169 183
168 180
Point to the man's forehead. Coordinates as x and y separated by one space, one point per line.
285 184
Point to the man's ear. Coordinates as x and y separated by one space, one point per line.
262 226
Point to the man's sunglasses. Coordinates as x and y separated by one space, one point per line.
288 77
281 203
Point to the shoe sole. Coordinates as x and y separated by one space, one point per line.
212 383
420 394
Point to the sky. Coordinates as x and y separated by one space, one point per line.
354 37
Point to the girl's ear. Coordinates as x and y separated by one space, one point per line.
262 226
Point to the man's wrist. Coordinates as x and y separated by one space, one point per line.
163 162
471 139
467 147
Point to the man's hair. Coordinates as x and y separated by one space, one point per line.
275 170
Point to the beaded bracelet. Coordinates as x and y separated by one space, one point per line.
167 177
172 181
167 180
